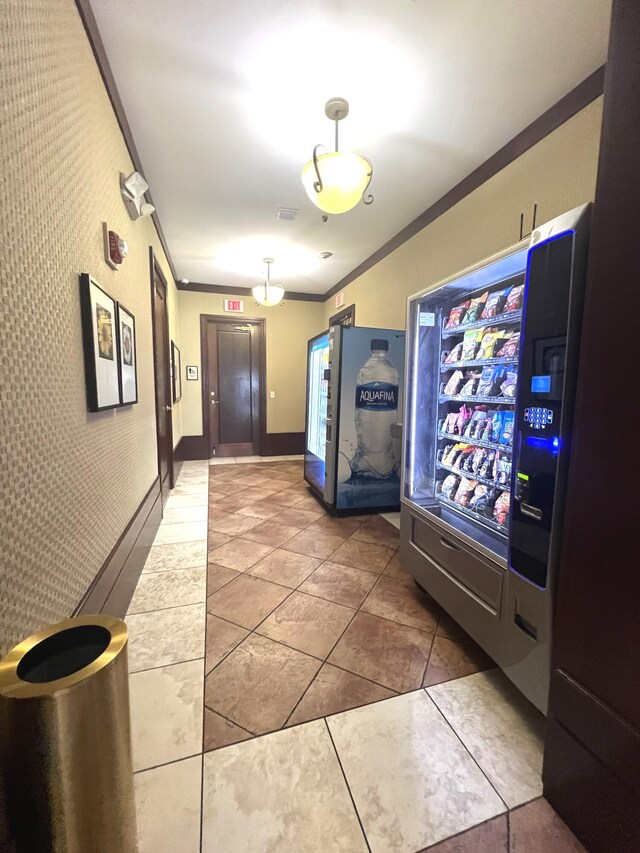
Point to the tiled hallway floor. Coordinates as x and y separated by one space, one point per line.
385 727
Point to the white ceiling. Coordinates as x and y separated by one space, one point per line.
225 99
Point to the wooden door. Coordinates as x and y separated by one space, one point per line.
162 377
233 387
592 747
346 317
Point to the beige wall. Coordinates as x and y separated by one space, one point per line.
70 480
288 328
558 173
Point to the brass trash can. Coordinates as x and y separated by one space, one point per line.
65 740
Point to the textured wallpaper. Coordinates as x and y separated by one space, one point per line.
70 480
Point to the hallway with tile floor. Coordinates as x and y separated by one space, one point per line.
293 690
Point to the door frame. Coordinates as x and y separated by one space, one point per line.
261 323
155 269
337 319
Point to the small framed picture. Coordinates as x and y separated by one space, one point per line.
192 371
127 357
176 372
99 338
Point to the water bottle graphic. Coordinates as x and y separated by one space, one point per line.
376 409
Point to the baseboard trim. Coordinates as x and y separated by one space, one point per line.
274 444
283 444
113 586
191 447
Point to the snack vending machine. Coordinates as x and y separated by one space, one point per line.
491 365
354 396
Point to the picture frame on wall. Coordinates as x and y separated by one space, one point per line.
176 371
192 372
127 356
99 338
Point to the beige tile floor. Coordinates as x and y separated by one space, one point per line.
451 766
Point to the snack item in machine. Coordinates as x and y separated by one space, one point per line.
456 314
469 387
489 385
506 434
501 508
510 347
454 355
450 486
514 299
488 343
479 455
475 309
503 471
509 386
464 491
470 344
480 492
485 503
463 457
461 419
486 469
453 385
476 423
448 453
495 301
496 429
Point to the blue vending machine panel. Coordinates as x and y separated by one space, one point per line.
370 399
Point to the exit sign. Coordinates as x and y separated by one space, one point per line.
340 299
234 306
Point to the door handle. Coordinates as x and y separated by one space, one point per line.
448 544
169 408
214 402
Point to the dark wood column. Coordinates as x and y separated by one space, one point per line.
592 749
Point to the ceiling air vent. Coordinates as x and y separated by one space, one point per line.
287 213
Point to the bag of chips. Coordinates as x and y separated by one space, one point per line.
469 387
495 301
461 419
475 309
514 299
453 385
496 429
488 343
454 355
479 493
475 424
510 385
508 423
461 458
486 469
470 344
456 314
464 491
485 504
510 347
501 508
450 486
489 384
502 473
479 455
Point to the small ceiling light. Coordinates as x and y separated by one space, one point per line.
268 294
335 182
326 255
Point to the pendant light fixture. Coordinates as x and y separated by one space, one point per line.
335 182
268 294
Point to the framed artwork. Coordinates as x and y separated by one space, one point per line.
176 372
192 372
127 356
99 337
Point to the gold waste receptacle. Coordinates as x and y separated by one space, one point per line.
65 740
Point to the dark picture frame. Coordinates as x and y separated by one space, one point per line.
98 313
127 356
176 373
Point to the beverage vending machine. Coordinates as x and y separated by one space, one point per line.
491 372
354 397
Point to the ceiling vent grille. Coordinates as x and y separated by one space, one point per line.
288 214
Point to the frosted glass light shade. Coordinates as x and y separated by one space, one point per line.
268 294
345 177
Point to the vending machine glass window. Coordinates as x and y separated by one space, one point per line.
461 385
317 389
